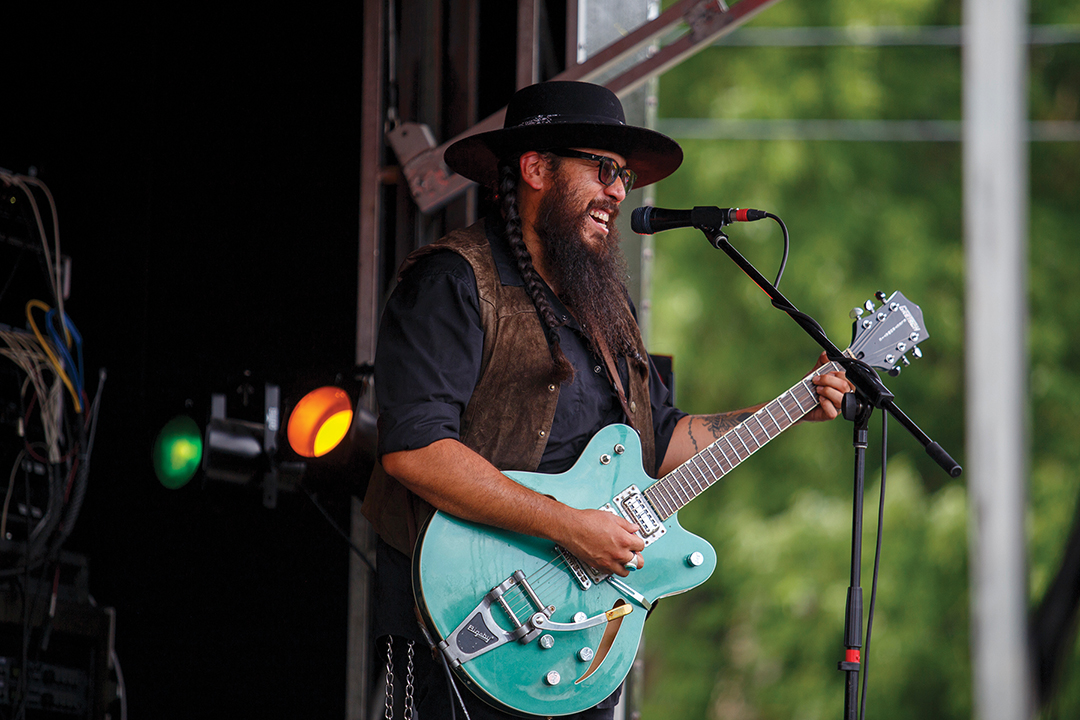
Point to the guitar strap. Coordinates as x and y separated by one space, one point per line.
616 381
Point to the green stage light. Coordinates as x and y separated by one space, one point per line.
177 452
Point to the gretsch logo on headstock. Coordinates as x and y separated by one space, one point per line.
907 317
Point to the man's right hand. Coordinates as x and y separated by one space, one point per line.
605 541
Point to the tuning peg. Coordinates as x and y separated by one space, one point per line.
904 361
894 371
869 305
917 352
880 296
856 313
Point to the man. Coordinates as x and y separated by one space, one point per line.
509 344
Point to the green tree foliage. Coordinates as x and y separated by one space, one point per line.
762 638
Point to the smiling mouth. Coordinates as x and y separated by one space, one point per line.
601 218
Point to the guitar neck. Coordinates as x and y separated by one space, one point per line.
686 482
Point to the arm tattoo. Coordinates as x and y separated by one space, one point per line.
723 422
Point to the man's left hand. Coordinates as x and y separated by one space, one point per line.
831 389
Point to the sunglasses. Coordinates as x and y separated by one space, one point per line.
609 169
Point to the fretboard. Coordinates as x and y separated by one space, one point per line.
686 482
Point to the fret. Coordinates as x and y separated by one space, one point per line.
705 480
671 497
766 432
714 461
735 430
673 488
683 486
781 401
681 489
718 446
796 398
773 418
691 484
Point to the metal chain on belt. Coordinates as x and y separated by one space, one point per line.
409 685
409 667
389 678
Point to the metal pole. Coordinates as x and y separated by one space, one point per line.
995 232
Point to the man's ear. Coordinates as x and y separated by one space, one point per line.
534 169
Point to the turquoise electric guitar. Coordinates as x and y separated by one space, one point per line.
533 631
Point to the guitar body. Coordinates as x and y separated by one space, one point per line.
457 563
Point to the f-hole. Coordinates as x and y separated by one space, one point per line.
610 631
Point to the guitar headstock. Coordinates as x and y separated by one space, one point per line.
882 336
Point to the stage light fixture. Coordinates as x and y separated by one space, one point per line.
286 443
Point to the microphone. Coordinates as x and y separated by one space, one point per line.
647 220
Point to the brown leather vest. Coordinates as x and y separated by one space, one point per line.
509 415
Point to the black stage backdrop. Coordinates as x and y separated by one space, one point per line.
205 167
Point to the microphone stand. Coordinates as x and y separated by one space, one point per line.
870 393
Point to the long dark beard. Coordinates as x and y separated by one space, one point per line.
591 278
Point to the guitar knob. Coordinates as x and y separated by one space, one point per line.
695 559
585 654
580 617
553 678
547 642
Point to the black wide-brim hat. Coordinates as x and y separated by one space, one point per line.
565 115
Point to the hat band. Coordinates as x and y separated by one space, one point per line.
561 119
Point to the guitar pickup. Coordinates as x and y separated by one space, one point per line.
633 506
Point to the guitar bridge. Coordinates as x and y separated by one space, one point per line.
479 632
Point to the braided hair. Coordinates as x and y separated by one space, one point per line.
561 370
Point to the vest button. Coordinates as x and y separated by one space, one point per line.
551 388
596 369
542 433
633 406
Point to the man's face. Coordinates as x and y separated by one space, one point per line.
585 200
